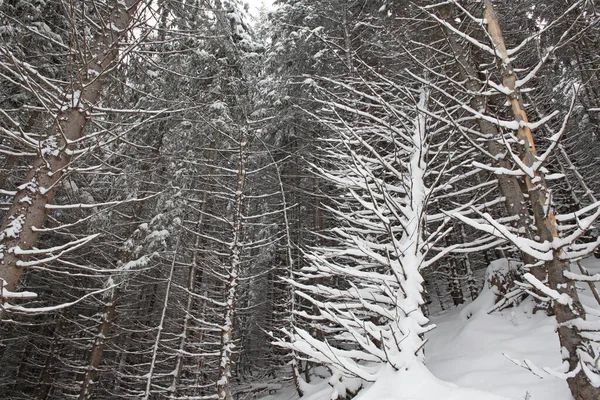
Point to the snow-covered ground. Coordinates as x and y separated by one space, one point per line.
469 352
465 357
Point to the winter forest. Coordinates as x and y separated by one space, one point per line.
325 200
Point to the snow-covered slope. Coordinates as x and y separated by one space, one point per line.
465 357
418 383
469 352
414 383
468 344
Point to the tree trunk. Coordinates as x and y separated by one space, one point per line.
45 380
224 375
570 337
161 325
509 185
28 210
193 280
95 358
295 362
471 282
109 309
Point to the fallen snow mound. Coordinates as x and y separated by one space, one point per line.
417 383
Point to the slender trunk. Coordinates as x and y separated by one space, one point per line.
290 265
224 375
45 380
471 283
121 366
587 191
576 201
161 325
95 358
193 279
347 41
589 76
110 307
186 320
567 315
438 293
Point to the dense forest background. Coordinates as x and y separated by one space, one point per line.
195 200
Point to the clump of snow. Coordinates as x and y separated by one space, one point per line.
92 73
31 186
501 274
72 100
50 147
14 227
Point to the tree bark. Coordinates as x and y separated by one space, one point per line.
509 186
28 210
224 375
570 337
95 358
45 380
161 325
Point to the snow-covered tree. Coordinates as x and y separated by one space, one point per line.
554 239
365 283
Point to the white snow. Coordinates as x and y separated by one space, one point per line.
417 383
468 356
6 294
72 100
412 383
14 227
470 353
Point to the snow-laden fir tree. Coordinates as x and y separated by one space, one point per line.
365 282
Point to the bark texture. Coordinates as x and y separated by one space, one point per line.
567 315
509 186
91 374
28 209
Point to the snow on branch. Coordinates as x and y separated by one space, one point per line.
498 170
324 353
582 227
6 294
541 251
562 372
561 298
42 310
461 34
63 249
581 278
109 203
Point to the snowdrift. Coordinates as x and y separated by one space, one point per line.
467 357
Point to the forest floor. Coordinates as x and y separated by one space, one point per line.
467 357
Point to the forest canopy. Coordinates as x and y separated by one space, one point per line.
203 202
